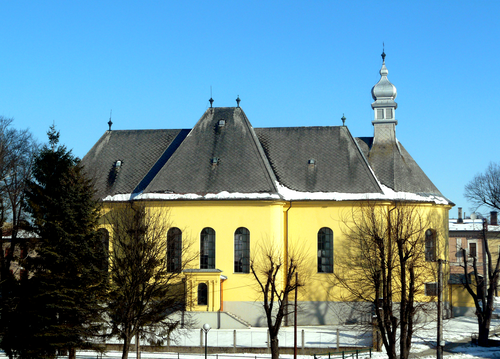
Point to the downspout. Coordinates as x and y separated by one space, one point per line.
285 229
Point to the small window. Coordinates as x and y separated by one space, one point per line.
473 250
242 250
325 250
388 113
431 289
202 294
458 254
207 248
174 250
430 245
380 113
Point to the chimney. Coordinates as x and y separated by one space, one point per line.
460 219
493 218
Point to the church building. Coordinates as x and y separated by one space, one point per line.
231 188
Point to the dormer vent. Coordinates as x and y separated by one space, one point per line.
118 164
312 161
214 161
222 123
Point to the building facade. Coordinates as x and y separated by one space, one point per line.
232 189
468 234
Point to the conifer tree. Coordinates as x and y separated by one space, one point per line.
59 299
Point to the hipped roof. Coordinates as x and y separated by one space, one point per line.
216 160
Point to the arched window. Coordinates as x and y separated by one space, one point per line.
207 248
242 250
325 250
174 250
104 254
430 245
202 294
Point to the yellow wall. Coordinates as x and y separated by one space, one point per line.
268 222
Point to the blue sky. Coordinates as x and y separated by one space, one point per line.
293 63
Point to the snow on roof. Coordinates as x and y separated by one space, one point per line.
286 194
470 225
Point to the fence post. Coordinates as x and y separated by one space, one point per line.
338 339
234 341
303 340
201 338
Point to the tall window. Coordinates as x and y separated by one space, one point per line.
242 250
104 236
202 294
174 250
430 245
207 248
325 250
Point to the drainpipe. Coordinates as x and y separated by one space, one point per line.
287 208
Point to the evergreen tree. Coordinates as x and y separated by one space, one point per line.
59 301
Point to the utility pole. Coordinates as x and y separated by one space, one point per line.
440 340
485 264
295 319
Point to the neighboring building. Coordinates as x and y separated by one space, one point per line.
468 234
231 187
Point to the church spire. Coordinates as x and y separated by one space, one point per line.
384 93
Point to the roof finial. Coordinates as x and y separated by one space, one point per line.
383 52
211 99
238 100
343 120
110 122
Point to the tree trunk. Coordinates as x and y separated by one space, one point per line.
126 347
275 349
72 353
484 332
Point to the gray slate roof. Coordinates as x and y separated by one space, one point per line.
138 150
241 165
248 160
395 168
338 165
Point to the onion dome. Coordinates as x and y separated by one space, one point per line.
384 90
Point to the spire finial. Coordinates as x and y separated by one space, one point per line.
211 99
383 52
343 120
110 123
238 100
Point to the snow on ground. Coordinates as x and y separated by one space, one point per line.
455 330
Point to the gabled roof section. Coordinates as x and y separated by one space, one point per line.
139 152
220 154
317 159
395 168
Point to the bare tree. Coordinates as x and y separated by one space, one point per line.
146 263
484 190
277 276
17 151
387 263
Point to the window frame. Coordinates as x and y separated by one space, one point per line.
325 260
174 250
430 245
104 239
202 291
207 248
431 289
241 250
